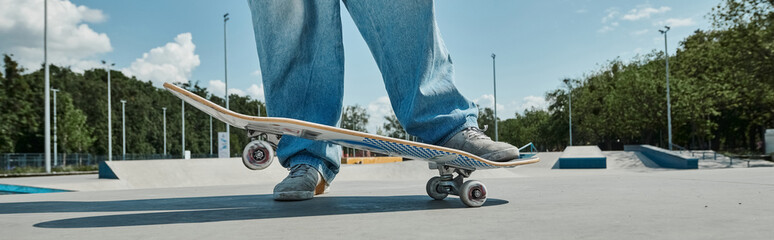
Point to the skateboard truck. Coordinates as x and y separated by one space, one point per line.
259 153
471 192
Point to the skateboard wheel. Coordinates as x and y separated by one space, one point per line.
473 193
432 189
257 155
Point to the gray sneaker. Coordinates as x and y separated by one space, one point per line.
474 141
302 183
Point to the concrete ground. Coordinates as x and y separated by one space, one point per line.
632 199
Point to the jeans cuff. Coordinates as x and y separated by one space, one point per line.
471 121
305 158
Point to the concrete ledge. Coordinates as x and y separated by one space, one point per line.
582 157
187 173
665 158
105 172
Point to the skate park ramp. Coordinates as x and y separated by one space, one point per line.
582 157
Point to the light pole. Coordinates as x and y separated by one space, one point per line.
165 130
55 147
669 105
225 76
123 129
210 135
494 79
569 94
182 109
109 113
46 99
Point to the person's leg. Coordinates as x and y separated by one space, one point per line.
419 76
416 67
302 63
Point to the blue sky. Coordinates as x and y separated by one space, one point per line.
537 43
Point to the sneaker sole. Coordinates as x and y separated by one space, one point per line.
321 188
502 155
293 195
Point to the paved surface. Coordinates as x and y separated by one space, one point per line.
630 200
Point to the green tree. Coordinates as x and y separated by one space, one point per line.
393 128
24 108
355 118
6 140
486 121
74 134
532 126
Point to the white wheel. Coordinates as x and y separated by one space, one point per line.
257 155
432 189
473 193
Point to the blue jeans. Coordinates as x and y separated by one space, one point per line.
302 61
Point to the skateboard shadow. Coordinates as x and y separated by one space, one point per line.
223 208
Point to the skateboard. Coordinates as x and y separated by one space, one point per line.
265 132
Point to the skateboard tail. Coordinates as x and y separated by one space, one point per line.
211 109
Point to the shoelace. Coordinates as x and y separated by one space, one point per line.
475 133
298 171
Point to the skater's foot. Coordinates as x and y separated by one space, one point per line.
302 183
474 141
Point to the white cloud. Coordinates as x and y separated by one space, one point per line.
605 29
530 102
256 73
611 14
644 11
640 32
378 109
677 22
217 88
487 101
581 11
238 92
256 92
71 42
172 62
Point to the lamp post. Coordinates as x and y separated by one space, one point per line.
210 135
109 113
47 114
182 117
165 130
123 129
494 80
669 105
225 76
569 94
55 146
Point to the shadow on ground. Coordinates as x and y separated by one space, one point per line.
224 208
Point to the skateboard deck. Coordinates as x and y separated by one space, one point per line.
344 137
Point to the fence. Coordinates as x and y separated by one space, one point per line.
711 156
9 161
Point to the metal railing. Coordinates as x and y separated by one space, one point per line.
9 161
